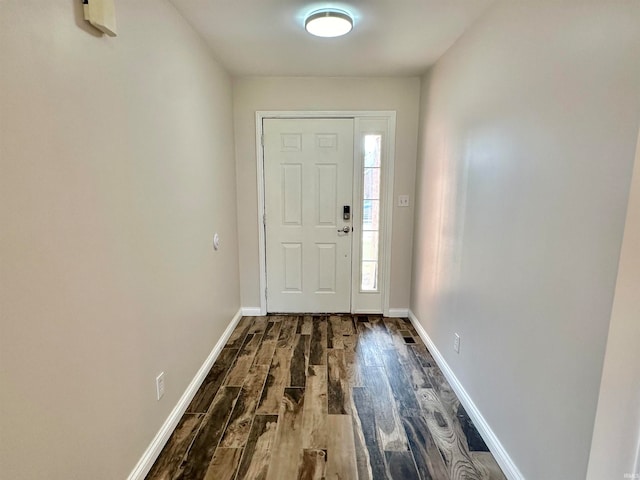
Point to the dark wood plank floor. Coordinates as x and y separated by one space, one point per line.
325 397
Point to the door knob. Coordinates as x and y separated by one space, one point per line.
346 229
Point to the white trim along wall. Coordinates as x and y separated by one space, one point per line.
501 455
150 455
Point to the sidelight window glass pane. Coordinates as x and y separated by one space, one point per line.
370 246
370 215
372 183
369 276
372 150
369 250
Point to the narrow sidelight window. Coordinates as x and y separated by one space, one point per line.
370 214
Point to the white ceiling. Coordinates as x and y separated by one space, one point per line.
390 37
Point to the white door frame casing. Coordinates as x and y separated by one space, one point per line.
387 188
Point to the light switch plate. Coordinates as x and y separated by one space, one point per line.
403 200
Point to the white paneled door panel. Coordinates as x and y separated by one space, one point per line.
308 167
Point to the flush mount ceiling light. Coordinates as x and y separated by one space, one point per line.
328 23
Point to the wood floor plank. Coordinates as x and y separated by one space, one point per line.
425 452
268 345
314 415
224 464
258 325
239 333
240 368
287 336
350 343
367 346
287 454
401 387
487 465
392 436
381 334
318 351
339 397
353 364
474 441
443 390
414 370
277 380
394 325
449 440
334 332
362 454
347 325
341 452
484 461
174 451
259 448
237 431
299 361
288 391
401 466
370 460
423 355
201 451
305 325
212 382
314 465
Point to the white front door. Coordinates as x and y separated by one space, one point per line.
308 165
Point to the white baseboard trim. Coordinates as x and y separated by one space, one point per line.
501 455
399 312
155 447
251 311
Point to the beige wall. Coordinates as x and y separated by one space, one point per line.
322 93
527 139
616 434
117 166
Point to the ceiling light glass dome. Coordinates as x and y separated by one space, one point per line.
328 23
